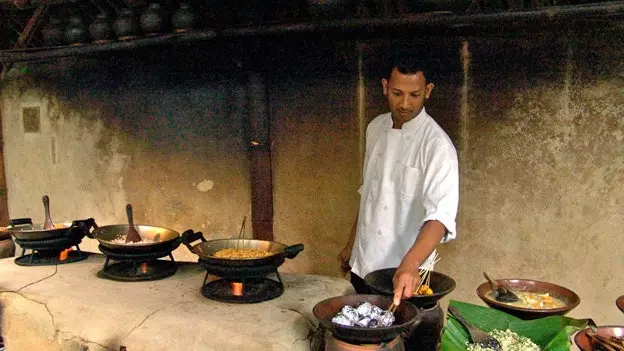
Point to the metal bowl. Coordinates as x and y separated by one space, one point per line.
584 342
380 282
407 316
569 297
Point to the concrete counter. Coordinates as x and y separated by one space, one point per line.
67 307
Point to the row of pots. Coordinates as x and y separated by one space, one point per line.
126 26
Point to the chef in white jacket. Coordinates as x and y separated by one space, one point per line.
410 191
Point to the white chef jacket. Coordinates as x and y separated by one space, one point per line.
410 176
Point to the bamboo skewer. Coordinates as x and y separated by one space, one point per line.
425 273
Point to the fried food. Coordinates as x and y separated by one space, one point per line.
241 254
424 290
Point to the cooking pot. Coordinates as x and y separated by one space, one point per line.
205 250
157 238
24 230
380 282
407 316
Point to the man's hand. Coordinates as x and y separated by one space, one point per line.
343 259
405 280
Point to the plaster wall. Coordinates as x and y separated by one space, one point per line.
537 123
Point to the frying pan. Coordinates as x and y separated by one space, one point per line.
161 239
407 317
24 229
205 249
380 282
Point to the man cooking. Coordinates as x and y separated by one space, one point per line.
410 191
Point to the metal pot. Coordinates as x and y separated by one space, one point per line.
205 249
407 316
24 229
160 239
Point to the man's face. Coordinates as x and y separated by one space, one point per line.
406 95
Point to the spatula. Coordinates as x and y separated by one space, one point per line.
477 335
501 293
47 224
133 235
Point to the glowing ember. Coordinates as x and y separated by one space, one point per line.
63 255
237 288
144 267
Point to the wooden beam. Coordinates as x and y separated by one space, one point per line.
260 165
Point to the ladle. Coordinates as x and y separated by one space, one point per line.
477 335
133 235
47 224
501 293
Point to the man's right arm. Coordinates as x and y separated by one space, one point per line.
345 254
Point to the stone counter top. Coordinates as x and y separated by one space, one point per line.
67 307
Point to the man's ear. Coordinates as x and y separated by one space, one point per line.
428 89
384 85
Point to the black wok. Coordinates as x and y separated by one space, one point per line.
24 230
205 249
158 238
380 282
407 317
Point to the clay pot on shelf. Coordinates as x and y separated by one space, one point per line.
184 19
101 29
126 26
76 32
52 33
152 20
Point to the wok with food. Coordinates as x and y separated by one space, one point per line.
239 252
380 282
24 229
153 238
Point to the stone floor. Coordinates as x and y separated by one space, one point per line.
67 307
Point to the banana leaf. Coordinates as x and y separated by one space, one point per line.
549 333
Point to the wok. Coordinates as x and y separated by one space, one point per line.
205 249
407 317
23 229
380 282
160 239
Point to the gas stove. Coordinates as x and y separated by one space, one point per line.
137 266
50 251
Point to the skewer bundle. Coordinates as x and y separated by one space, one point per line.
425 272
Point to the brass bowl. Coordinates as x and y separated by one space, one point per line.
584 342
569 297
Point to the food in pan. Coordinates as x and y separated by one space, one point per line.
122 240
423 290
241 254
509 340
365 315
535 300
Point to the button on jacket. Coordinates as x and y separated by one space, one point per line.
410 176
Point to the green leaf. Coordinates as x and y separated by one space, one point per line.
549 333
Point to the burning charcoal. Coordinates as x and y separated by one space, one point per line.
363 308
364 322
351 313
387 319
342 320
374 323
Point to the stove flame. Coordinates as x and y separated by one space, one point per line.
144 267
63 255
237 288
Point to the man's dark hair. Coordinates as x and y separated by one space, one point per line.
407 62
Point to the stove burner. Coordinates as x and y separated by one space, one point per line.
253 290
50 257
134 271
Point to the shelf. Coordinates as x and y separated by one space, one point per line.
355 28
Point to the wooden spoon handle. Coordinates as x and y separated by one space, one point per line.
47 223
493 283
130 217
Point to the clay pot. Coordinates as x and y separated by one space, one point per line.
152 20
76 31
53 32
101 29
184 19
126 26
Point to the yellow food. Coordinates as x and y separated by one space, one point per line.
238 254
535 300
424 290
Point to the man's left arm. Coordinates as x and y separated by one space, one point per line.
440 200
